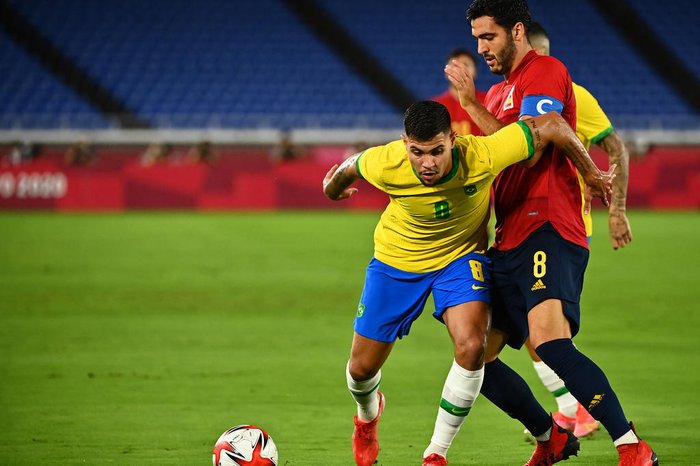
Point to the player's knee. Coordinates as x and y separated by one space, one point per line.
360 372
469 352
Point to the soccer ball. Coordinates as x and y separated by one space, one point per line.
245 445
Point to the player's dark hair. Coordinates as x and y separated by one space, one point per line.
506 13
535 29
426 119
460 52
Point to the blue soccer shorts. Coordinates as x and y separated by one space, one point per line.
392 299
544 266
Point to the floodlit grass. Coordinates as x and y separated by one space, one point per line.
137 339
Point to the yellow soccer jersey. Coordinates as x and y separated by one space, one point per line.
424 228
592 125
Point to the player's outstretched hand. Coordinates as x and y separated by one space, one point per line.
458 74
330 189
600 184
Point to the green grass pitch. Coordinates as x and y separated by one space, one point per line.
136 339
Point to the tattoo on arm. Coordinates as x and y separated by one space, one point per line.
617 153
578 155
341 178
553 129
536 135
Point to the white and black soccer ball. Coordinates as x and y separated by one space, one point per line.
245 445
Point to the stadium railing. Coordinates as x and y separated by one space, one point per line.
268 128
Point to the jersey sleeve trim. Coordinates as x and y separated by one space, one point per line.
528 136
357 164
602 135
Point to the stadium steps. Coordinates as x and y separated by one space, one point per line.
676 23
657 54
64 69
355 55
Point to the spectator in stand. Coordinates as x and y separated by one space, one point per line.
17 153
356 148
286 150
462 123
156 153
79 153
202 152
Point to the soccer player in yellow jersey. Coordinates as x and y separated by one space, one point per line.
431 239
592 127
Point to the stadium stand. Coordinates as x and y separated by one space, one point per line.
32 98
249 64
232 64
677 23
239 75
414 42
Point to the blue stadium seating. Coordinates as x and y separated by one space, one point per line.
250 63
601 60
413 41
178 63
677 22
32 98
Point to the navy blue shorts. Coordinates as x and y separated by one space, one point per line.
392 299
544 266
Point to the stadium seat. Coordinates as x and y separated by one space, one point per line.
32 97
255 62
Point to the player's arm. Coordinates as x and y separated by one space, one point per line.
620 230
336 183
551 128
458 74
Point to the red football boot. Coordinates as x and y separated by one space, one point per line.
585 423
637 454
365 444
568 423
435 460
562 444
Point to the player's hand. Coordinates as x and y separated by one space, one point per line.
620 230
600 184
458 74
329 191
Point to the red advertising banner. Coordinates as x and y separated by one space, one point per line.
244 179
117 180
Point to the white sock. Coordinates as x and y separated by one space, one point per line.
458 394
629 437
544 437
566 402
365 394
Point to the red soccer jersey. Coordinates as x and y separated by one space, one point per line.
526 198
462 123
